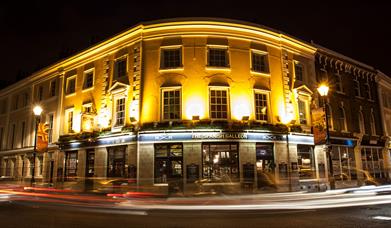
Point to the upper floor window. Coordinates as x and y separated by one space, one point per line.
302 107
50 120
356 85
261 106
87 108
69 116
367 91
71 85
218 57
341 118
171 104
299 71
170 57
40 93
120 67
53 87
16 102
3 106
361 122
120 112
329 116
259 62
373 124
218 103
25 99
338 83
88 81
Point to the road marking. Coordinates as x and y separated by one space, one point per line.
382 218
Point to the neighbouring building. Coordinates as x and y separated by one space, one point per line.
193 105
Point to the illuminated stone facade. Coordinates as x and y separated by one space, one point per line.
178 107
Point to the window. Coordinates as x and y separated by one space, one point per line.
13 136
299 71
120 112
341 118
330 117
306 162
3 107
367 91
40 93
16 102
25 99
116 161
338 83
40 165
218 57
218 103
261 106
343 161
22 135
361 122
69 115
373 162
88 79
90 169
71 165
357 91
71 85
170 58
168 162
50 119
120 67
302 106
171 104
53 88
373 124
259 62
87 108
220 162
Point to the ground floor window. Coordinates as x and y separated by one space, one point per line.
90 170
220 162
71 165
168 162
116 161
265 165
344 164
306 162
372 162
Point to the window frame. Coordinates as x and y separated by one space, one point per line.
73 77
50 126
69 128
261 53
121 58
115 124
165 89
372 123
298 63
356 88
169 158
220 88
161 57
227 57
344 128
85 74
53 81
268 109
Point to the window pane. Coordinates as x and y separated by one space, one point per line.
217 57
171 106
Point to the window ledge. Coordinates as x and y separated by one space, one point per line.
340 92
88 89
260 73
163 70
227 68
70 95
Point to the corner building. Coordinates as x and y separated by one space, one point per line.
185 107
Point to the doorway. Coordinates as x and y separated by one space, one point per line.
265 166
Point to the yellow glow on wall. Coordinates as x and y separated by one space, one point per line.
76 123
195 107
87 125
134 111
240 108
103 118
284 116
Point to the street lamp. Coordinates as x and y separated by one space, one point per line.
37 112
323 90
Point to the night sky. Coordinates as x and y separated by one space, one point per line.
35 34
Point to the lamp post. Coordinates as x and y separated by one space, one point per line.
37 113
323 90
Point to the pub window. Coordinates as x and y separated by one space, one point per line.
120 112
71 165
116 161
168 162
218 57
88 81
171 104
71 85
343 161
170 57
120 67
220 162
218 103
259 62
372 162
53 87
306 162
261 106
299 71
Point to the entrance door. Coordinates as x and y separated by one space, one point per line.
90 171
265 166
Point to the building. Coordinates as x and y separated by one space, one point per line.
181 107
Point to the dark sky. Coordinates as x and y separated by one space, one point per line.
35 34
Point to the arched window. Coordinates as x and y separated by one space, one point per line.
341 118
330 117
373 125
361 122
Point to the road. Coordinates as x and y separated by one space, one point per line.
40 215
